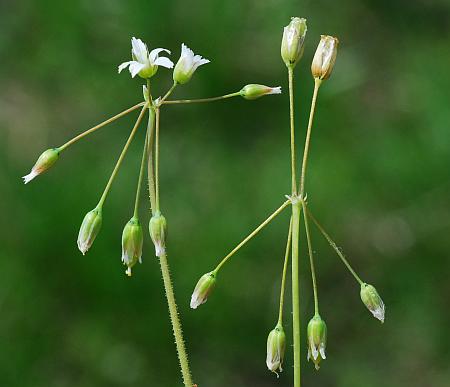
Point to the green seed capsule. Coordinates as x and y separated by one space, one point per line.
292 44
325 57
132 241
373 301
89 229
158 233
317 340
276 345
204 287
44 162
253 91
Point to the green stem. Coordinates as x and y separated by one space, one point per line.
292 124
141 175
252 234
179 101
157 160
334 246
176 324
172 88
317 83
94 128
296 208
283 278
311 260
121 157
150 168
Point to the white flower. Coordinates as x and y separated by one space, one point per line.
187 64
145 63
44 162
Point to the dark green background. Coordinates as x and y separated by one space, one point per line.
378 180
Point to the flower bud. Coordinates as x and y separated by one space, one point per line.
158 233
253 91
292 44
186 65
44 162
132 240
89 229
276 345
317 340
324 58
373 301
204 287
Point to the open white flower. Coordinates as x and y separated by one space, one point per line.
187 64
145 63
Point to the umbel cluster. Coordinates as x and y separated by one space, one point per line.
145 64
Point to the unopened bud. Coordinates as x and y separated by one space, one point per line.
204 287
44 162
373 301
292 44
317 340
253 91
276 345
132 240
324 58
89 229
158 233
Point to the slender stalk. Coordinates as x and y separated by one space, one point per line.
296 208
121 157
179 101
157 160
333 245
317 83
176 324
311 260
150 168
252 234
172 88
141 175
94 128
292 124
283 278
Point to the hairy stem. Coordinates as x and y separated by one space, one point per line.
283 278
121 157
311 260
176 324
141 176
252 234
296 208
292 124
157 160
150 168
179 101
317 83
93 129
333 245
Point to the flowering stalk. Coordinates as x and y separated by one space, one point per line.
153 182
198 100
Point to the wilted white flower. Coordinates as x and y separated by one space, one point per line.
44 162
253 91
292 44
202 290
145 63
317 340
373 301
158 232
187 64
89 229
132 241
325 57
276 345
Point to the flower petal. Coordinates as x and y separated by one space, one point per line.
123 66
163 61
140 50
154 53
135 67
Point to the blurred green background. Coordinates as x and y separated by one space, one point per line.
378 180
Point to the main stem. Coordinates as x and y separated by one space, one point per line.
176 324
296 208
168 287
